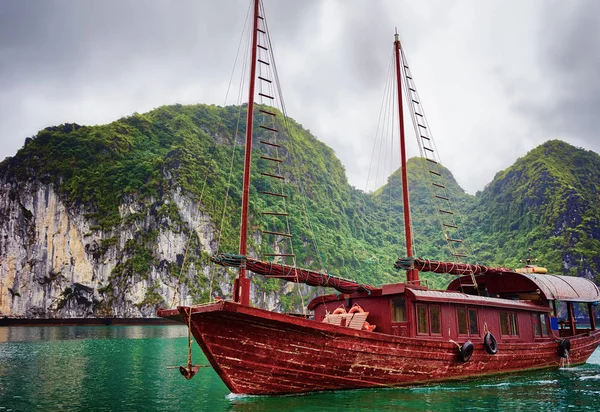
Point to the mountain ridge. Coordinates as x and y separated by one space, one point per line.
130 198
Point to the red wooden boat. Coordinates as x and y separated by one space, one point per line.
488 321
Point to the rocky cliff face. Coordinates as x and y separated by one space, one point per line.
55 263
113 220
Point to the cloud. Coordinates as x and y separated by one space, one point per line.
567 104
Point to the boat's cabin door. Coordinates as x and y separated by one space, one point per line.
400 325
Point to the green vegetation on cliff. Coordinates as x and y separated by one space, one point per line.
548 200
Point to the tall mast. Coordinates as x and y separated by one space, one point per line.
241 285
411 275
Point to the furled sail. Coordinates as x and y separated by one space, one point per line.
436 266
291 273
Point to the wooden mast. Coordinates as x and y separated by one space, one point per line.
412 275
241 292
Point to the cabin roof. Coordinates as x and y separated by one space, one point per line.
551 287
567 288
444 296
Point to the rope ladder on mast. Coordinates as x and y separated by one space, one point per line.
438 189
270 126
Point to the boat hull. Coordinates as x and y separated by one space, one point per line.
259 352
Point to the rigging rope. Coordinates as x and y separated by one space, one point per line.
190 370
381 111
275 74
457 246
238 52
231 163
291 148
234 144
435 154
390 171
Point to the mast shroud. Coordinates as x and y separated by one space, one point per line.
412 275
241 287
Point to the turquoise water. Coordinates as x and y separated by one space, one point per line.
125 368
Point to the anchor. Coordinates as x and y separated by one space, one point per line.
190 369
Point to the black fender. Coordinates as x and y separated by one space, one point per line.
490 344
465 351
564 348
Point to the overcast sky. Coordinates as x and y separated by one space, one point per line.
496 78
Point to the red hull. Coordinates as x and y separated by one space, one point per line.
258 352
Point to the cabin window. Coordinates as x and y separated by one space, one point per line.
467 321
535 319
462 321
422 319
544 324
398 310
473 322
429 319
508 323
435 319
540 326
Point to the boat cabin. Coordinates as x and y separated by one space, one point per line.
514 307
545 289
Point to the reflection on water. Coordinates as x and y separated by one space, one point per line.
51 333
121 368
